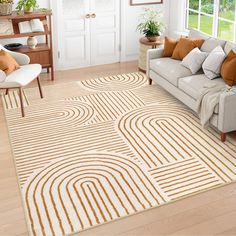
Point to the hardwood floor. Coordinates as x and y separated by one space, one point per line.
209 213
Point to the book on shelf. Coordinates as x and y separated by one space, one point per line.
32 26
6 27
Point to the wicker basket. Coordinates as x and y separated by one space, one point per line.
5 9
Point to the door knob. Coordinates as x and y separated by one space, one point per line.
93 15
87 16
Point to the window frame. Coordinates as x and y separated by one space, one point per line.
216 18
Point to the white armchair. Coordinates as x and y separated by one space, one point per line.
21 77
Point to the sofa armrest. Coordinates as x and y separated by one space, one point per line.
227 112
2 76
153 54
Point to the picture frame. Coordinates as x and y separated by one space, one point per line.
144 2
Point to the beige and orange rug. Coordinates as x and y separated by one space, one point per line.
98 150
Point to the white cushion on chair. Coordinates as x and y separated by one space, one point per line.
22 76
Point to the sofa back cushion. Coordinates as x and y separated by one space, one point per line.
169 47
228 69
211 43
197 34
230 46
7 63
185 46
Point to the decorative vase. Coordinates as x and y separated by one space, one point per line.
32 42
153 38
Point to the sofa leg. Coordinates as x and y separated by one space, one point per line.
150 81
223 137
7 90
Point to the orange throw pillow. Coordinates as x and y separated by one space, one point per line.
7 63
228 69
169 47
185 46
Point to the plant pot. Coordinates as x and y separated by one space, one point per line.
153 38
5 9
32 42
28 10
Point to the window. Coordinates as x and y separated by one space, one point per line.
213 17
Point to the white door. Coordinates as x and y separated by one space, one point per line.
88 32
105 31
74 33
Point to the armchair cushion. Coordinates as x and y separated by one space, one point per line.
7 63
22 76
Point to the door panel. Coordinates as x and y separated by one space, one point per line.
91 40
75 34
106 49
105 31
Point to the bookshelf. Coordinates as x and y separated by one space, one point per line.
43 53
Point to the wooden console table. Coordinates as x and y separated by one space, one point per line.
144 46
43 53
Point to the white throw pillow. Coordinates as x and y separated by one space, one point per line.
194 60
213 63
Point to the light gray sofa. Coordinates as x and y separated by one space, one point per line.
180 82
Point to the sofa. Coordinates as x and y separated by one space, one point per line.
186 87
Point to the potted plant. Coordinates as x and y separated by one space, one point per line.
150 24
27 5
6 7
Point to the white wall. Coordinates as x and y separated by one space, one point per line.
129 17
177 17
129 35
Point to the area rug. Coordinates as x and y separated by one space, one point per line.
98 150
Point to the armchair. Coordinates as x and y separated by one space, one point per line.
21 77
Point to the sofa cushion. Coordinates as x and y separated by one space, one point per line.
194 60
197 34
169 69
185 46
193 85
169 47
230 46
213 63
211 43
228 69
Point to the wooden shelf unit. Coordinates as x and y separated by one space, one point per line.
43 53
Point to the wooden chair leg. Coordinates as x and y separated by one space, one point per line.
7 90
150 81
40 88
223 137
21 102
